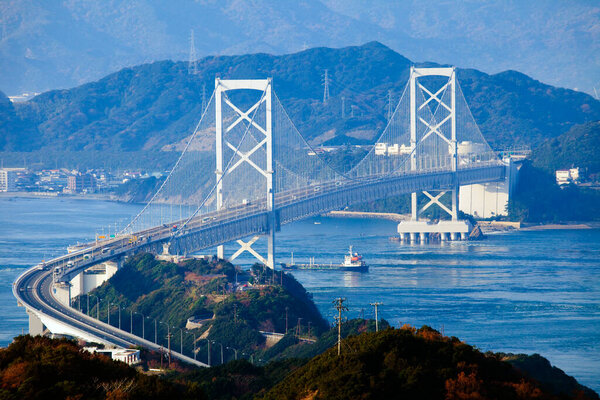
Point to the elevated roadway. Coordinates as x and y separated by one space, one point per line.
35 289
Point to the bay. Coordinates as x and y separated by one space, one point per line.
520 292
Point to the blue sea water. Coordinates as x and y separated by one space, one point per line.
520 292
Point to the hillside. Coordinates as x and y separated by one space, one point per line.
577 147
409 363
49 45
43 368
152 105
172 293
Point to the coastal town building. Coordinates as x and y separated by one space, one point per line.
81 183
8 180
566 176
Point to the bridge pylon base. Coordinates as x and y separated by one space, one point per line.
423 231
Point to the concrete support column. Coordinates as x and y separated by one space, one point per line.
413 237
36 327
62 292
464 236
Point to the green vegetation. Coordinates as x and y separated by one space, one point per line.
409 363
43 368
146 107
538 198
172 293
577 147
303 365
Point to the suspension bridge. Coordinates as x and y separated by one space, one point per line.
264 174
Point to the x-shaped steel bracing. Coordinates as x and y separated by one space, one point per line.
245 156
435 200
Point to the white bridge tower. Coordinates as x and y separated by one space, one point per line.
266 144
420 230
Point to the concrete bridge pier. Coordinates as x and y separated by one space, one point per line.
36 326
62 292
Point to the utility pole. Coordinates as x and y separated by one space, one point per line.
376 305
390 109
235 313
192 64
343 107
339 306
326 87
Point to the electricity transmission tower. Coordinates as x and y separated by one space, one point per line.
193 62
376 305
339 306
326 87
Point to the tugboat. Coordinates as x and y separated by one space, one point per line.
352 262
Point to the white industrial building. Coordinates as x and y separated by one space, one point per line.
488 200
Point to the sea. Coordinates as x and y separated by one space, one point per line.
514 292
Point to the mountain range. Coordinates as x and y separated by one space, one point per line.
58 44
152 106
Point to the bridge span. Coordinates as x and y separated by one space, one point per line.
267 175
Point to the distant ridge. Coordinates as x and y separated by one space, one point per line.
151 106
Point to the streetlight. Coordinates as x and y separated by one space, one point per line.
143 324
97 305
180 340
234 351
155 332
168 329
193 333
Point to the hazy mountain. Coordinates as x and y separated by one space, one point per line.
47 45
152 105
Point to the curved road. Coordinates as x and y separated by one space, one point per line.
33 289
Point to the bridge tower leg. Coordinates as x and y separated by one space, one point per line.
264 85
420 130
